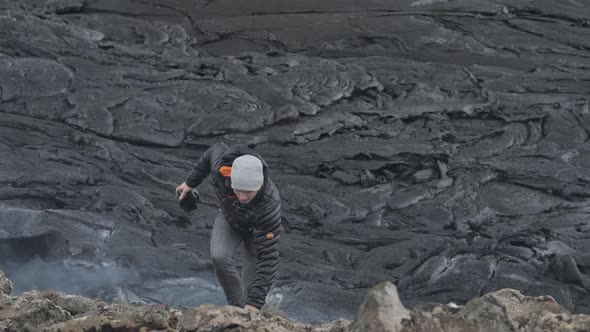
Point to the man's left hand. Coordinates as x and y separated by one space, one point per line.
250 307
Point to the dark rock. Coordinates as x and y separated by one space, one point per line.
438 144
565 269
48 246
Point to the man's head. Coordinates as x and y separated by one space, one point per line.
247 177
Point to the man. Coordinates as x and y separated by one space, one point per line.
250 214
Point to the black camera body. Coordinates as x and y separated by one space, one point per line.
190 200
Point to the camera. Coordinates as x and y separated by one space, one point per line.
190 200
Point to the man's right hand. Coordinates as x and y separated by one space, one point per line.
182 190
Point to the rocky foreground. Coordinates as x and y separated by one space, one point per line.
381 310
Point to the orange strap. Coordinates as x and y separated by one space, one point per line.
225 171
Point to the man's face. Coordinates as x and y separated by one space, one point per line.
245 196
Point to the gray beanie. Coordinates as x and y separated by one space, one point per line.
246 173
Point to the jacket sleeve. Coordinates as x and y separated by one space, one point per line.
267 232
203 166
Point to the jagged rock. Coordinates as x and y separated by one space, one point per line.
122 318
47 245
31 312
341 325
506 310
381 310
207 318
73 304
520 307
544 321
486 314
5 284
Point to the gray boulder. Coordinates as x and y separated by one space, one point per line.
5 284
505 310
519 308
31 312
381 310
74 304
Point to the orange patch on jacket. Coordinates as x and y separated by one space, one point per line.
270 235
225 171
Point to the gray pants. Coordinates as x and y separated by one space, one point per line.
224 242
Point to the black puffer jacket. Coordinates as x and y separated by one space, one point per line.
260 218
